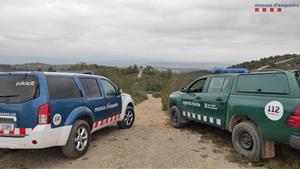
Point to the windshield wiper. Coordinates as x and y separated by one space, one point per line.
15 95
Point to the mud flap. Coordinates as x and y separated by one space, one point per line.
268 149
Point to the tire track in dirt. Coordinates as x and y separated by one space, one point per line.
150 143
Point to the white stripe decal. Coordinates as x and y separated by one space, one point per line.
211 120
17 131
219 122
194 115
28 130
199 117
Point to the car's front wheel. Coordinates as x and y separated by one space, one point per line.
128 119
176 119
78 141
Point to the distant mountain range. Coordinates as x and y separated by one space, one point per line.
288 61
179 67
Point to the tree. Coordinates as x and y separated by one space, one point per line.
50 69
149 70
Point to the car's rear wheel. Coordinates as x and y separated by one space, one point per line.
246 140
128 119
78 141
176 119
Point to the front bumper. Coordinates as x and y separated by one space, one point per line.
44 135
295 141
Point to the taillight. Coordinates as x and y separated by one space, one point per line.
44 114
294 119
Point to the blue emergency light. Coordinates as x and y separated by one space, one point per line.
229 70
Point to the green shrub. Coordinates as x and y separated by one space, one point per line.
156 94
177 81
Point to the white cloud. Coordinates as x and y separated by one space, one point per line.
90 30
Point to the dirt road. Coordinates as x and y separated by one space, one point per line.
151 143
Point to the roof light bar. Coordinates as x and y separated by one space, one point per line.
229 70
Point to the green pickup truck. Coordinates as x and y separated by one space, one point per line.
258 108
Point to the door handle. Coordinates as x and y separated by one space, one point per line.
198 97
219 99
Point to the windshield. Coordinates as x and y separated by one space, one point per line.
18 88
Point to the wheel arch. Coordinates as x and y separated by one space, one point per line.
81 113
88 119
130 104
126 101
236 119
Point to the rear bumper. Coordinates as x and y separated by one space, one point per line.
295 141
44 135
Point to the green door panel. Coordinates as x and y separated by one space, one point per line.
190 105
215 99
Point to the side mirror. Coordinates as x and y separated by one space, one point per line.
183 89
120 91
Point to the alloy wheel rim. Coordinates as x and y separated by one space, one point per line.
81 139
128 118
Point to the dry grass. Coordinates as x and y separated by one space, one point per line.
286 157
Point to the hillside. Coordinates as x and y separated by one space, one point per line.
287 62
33 67
140 81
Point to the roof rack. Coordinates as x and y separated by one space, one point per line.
268 70
295 70
88 72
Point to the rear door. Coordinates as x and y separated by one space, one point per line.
215 99
94 98
64 96
114 104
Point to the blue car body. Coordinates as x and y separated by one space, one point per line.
19 121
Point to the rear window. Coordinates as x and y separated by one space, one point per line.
60 87
91 87
18 88
263 83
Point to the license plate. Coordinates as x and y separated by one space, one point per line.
7 126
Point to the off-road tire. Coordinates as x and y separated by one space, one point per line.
246 140
70 150
128 119
176 118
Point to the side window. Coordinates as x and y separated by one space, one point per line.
198 86
60 87
109 88
267 83
216 85
225 84
91 87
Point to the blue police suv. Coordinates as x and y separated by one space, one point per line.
43 109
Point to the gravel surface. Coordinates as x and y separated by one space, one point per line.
150 143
